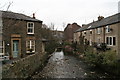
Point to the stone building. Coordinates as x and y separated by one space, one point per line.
104 30
19 34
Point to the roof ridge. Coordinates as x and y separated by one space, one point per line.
15 15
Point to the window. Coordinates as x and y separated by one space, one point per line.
90 42
107 29
84 32
30 28
98 30
30 45
111 41
90 31
114 40
2 47
107 40
0 29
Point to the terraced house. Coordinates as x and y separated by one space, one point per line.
104 30
19 34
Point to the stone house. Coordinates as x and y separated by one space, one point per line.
19 34
104 30
69 32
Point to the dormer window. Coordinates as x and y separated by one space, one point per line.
30 28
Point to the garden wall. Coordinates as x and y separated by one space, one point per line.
24 67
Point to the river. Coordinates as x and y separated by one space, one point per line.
68 66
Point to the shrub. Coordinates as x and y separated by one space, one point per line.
109 58
90 56
51 46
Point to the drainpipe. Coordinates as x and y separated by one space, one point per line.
103 34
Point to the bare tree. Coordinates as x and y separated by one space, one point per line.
52 26
64 25
10 3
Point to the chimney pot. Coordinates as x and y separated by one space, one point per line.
34 15
100 18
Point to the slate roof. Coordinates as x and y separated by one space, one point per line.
82 29
104 22
18 16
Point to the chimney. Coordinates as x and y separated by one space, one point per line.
100 18
34 15
83 25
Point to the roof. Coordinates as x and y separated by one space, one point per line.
19 16
81 29
104 22
71 25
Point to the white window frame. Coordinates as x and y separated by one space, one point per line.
91 32
85 32
30 42
90 42
98 30
30 28
1 30
107 29
3 48
109 40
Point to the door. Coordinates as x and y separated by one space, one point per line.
15 48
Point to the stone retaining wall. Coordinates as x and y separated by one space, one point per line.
25 67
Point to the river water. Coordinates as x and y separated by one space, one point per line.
67 66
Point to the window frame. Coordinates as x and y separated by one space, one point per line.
107 29
110 40
30 45
98 30
85 32
28 27
3 47
91 32
114 43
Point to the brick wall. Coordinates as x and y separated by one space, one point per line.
69 31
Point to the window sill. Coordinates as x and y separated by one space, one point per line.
111 45
30 52
30 33
98 33
107 32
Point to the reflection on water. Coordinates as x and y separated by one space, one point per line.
57 56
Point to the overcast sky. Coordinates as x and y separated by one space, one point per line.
63 11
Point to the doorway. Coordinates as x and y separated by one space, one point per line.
15 48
